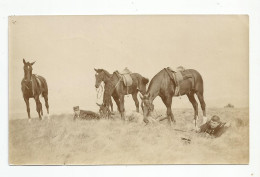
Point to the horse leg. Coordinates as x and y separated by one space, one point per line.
195 107
203 106
134 96
45 96
28 108
111 105
122 107
168 103
38 106
41 111
116 98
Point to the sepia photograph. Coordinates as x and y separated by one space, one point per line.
128 89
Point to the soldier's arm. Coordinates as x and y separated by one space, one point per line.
203 128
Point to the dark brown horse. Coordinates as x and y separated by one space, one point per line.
32 87
115 87
163 86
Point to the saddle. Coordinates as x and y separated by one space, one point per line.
126 77
179 75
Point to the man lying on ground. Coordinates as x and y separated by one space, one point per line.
214 127
82 114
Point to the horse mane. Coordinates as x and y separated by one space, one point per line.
106 72
154 79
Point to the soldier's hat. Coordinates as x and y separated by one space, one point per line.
76 108
215 119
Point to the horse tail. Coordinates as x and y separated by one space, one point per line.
198 80
45 86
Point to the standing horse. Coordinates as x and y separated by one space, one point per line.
32 87
163 86
115 87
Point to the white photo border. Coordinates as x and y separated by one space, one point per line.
135 7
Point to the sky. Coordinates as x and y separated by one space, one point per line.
68 48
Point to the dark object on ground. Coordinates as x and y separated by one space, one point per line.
186 140
229 106
83 114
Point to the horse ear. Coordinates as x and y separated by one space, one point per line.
99 104
24 61
95 69
33 62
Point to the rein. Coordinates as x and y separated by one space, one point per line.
99 91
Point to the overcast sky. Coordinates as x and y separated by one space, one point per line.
68 48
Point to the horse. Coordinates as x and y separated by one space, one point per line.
32 87
163 86
115 87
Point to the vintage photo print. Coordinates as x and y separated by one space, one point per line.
128 89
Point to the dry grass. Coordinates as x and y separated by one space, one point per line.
63 141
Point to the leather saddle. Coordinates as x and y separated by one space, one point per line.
126 77
179 75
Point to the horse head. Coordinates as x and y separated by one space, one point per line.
27 70
104 110
99 77
142 85
147 106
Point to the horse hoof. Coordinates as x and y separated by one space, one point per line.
205 119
